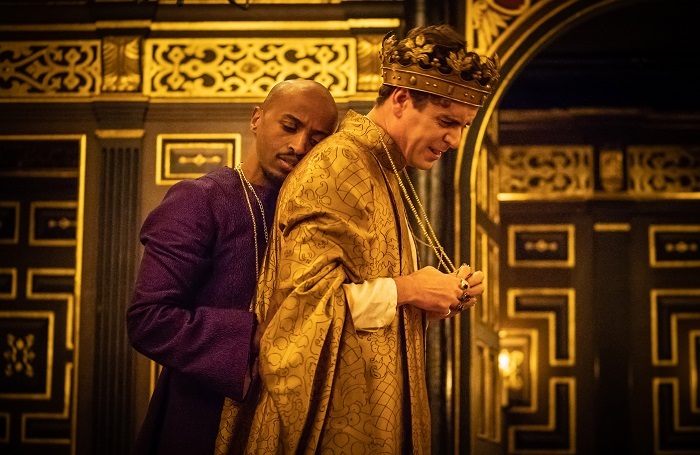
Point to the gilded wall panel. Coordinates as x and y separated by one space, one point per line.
121 62
672 433
556 306
676 246
558 434
181 156
655 169
39 303
547 171
541 245
53 68
52 223
246 67
28 354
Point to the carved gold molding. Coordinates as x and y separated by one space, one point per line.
547 171
245 67
54 68
121 62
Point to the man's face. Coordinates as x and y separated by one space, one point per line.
288 127
425 134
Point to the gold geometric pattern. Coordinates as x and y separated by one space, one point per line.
669 309
53 223
38 326
671 436
32 421
246 67
557 306
182 156
54 284
57 68
558 435
674 245
541 245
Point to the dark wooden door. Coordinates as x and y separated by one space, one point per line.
602 322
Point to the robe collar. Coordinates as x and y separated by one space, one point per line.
366 132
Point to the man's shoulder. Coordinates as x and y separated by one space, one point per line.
339 153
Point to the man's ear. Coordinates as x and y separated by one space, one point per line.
257 113
400 100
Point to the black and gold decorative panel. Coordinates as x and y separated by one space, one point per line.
27 354
50 68
246 67
547 171
557 433
41 195
556 307
52 223
675 318
541 245
667 169
181 156
674 245
9 222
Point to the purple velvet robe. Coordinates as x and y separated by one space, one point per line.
189 311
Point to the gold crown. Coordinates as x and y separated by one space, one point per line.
463 76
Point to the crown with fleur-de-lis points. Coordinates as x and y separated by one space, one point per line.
457 74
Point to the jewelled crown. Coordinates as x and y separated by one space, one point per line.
462 76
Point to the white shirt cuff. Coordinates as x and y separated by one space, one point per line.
372 303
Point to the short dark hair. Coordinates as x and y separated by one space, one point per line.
419 99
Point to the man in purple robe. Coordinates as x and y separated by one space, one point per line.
203 244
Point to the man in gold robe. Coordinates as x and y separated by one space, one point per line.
342 301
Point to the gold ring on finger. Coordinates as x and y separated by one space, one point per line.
464 284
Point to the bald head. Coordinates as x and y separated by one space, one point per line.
295 116
303 87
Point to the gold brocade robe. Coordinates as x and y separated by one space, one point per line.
325 387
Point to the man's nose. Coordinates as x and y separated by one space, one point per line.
453 138
300 144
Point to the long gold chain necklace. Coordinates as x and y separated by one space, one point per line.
443 258
255 195
244 183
